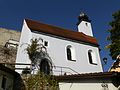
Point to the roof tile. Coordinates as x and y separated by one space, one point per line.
49 29
88 76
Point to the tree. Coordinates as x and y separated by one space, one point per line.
114 37
35 49
38 52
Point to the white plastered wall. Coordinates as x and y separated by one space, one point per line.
57 51
22 56
85 86
86 28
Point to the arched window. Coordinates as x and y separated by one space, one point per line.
91 56
70 53
45 67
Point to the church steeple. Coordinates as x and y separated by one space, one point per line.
84 24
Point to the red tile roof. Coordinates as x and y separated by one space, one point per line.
49 29
88 76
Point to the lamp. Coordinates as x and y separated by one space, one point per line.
105 60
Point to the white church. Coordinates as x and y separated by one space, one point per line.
70 52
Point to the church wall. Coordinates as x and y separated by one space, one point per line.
22 56
57 51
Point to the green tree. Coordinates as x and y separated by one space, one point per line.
114 36
37 52
35 49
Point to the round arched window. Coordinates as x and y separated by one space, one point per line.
70 53
91 56
45 67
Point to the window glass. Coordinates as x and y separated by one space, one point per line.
92 58
3 85
69 56
70 53
45 43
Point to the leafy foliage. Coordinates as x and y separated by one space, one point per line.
114 37
38 52
41 81
34 49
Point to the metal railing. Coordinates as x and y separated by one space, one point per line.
55 69
64 70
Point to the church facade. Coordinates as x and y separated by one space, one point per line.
70 52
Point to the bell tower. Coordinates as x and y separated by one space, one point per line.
84 24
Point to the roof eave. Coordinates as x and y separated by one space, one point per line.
70 34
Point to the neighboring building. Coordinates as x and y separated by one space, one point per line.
90 81
9 79
6 78
70 52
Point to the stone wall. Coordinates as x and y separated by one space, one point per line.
8 54
6 34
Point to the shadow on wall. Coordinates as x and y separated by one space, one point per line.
116 80
19 83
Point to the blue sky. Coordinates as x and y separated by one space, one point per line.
62 13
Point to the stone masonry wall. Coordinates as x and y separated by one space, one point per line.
8 55
6 34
